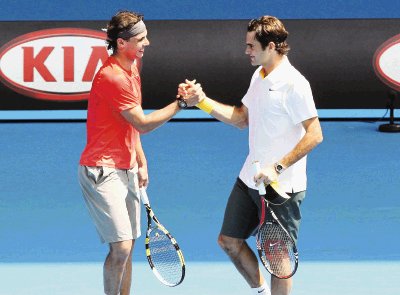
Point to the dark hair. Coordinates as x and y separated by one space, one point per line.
121 21
270 29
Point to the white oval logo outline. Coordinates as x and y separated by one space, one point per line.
42 93
386 60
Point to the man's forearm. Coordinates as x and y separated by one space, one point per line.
225 113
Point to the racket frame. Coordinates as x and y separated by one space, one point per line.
267 211
265 204
150 219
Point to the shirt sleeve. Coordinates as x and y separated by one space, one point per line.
123 93
300 103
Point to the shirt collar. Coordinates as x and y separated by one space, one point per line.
278 73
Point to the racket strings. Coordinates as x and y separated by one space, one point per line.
277 250
165 257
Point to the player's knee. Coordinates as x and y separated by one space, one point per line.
229 245
120 252
119 257
223 242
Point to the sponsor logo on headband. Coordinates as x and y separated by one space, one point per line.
386 62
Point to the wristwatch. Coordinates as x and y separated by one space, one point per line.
279 167
181 103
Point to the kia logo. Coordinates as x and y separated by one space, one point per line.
54 64
386 62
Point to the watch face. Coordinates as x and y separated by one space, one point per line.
182 104
279 168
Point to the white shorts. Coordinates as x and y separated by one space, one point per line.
113 200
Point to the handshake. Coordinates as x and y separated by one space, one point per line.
191 92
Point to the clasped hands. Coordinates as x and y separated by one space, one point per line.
191 92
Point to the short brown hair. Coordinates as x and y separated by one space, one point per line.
270 29
121 21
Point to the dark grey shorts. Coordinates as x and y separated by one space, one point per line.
243 211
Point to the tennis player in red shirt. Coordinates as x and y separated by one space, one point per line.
113 165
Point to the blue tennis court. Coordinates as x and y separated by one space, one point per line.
348 241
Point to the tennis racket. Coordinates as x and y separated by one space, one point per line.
163 253
276 248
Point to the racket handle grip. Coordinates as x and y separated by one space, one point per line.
261 186
143 195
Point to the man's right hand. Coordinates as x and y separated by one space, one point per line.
191 92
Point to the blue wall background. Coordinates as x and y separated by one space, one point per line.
21 10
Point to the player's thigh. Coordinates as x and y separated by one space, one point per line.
133 202
289 213
105 191
241 213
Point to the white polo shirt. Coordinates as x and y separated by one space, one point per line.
277 105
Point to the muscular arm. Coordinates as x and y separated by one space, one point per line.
146 123
142 164
233 115
310 140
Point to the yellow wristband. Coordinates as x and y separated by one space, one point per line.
205 106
